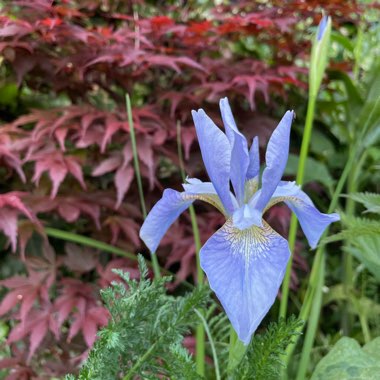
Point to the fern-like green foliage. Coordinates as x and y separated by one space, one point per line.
371 201
144 334
263 359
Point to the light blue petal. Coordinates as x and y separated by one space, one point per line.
245 269
276 158
247 216
254 159
196 186
312 221
216 154
322 27
239 152
162 216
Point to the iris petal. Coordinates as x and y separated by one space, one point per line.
239 151
312 221
245 269
276 158
162 216
254 159
216 154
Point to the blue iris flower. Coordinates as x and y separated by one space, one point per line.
245 260
322 27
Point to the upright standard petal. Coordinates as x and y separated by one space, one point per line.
162 216
276 158
312 221
245 269
239 150
322 27
254 159
216 154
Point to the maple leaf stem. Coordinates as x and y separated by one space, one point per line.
156 267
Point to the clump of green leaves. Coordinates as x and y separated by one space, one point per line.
144 334
263 359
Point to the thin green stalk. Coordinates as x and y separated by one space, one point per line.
214 355
312 324
142 359
293 223
348 259
200 349
236 351
156 267
93 243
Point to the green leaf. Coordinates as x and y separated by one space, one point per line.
342 40
347 360
8 94
314 171
367 250
371 201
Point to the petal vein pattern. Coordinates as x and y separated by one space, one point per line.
245 268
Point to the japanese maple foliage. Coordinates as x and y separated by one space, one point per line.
65 146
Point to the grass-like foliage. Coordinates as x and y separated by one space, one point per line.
144 335
263 359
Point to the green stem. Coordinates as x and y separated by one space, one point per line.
156 267
312 325
348 259
200 349
293 222
214 355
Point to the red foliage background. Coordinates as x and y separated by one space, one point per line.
65 149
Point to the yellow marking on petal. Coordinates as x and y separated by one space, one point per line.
252 243
276 200
212 199
250 188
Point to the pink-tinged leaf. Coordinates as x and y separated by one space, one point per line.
253 82
107 275
123 179
112 126
36 336
79 259
9 302
145 153
8 224
27 304
191 63
75 327
61 134
108 165
128 226
89 330
187 138
99 314
75 169
162 60
69 212
127 153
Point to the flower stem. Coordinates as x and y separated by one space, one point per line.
200 350
293 222
156 267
